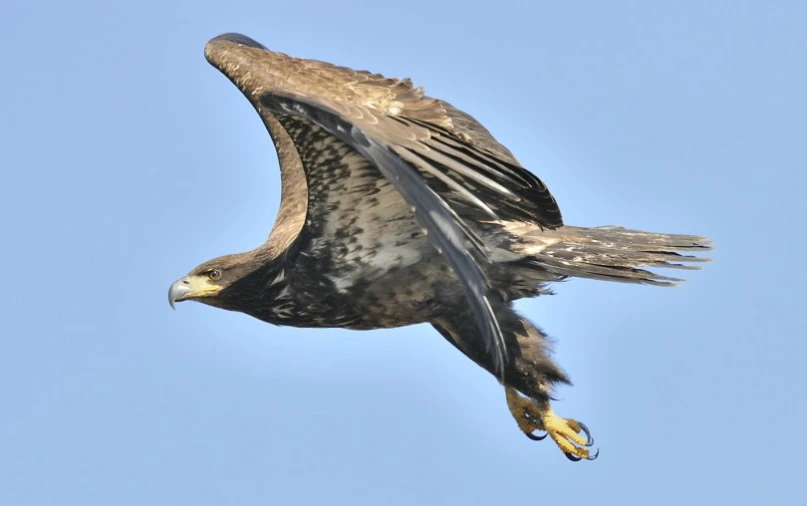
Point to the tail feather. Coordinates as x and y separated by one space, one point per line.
614 253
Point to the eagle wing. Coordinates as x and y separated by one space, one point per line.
436 157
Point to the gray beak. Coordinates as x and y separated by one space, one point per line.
179 290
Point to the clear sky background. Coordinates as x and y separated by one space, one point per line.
126 160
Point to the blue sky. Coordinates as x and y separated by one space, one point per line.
126 160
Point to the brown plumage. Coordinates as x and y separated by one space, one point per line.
398 209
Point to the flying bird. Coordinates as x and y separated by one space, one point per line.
398 209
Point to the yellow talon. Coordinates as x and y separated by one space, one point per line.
566 432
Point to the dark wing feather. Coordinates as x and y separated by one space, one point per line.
508 189
445 228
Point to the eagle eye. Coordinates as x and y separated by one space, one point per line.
214 274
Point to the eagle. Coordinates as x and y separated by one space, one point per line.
399 209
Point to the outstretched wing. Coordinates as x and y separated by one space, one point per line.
412 140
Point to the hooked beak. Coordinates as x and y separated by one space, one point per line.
179 290
193 287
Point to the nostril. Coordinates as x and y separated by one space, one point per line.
186 281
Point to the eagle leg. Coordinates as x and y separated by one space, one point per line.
564 431
529 375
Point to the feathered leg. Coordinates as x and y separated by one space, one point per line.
530 371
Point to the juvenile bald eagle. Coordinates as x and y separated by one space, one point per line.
397 209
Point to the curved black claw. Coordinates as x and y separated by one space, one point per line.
534 437
589 439
575 458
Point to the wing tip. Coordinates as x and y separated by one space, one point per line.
235 38
218 47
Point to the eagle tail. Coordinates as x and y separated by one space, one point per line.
614 253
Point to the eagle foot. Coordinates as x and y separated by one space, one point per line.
564 431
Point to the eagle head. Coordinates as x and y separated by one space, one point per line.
224 282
